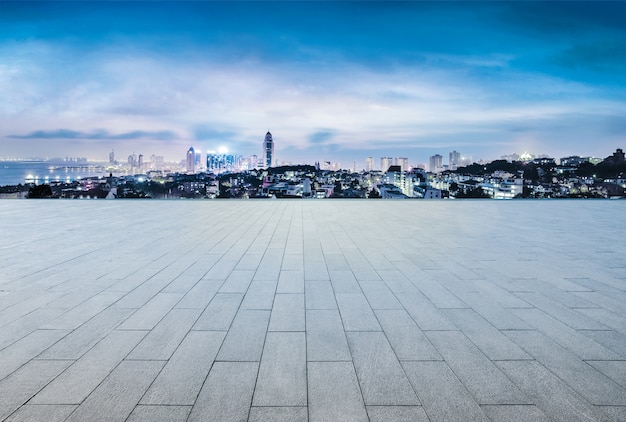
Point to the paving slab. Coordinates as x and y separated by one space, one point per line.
334 393
227 393
181 379
312 310
382 380
441 393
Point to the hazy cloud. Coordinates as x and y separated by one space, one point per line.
96 134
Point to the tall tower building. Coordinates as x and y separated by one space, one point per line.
403 162
268 150
436 163
385 163
455 160
191 161
369 164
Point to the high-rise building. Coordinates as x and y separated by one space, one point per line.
455 160
385 163
112 157
268 150
140 161
191 161
369 164
403 162
217 162
436 163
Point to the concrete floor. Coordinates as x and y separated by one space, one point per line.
328 310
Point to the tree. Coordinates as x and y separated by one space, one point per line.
40 191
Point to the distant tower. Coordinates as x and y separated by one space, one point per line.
403 162
191 160
112 157
268 150
436 163
369 164
385 163
455 160
140 161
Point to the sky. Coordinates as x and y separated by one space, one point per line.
332 81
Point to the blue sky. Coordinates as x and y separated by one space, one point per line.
336 81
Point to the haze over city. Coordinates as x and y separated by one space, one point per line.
336 81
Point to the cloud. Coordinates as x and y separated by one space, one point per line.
321 137
96 134
602 56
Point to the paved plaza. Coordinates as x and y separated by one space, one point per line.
319 310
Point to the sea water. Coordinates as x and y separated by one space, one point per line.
21 172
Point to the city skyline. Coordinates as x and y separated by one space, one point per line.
332 81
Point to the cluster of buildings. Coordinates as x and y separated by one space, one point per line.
219 174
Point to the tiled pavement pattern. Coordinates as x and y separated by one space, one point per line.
312 310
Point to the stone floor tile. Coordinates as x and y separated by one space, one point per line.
616 370
83 312
42 412
494 313
163 340
237 281
514 413
396 414
378 295
580 376
244 341
181 379
119 393
356 313
441 393
22 327
79 341
152 312
479 375
490 341
199 296
382 380
282 374
227 393
319 295
20 352
616 413
424 313
292 262
84 375
260 295
291 281
334 393
278 414
287 313
21 385
325 337
610 339
407 340
343 281
552 396
219 314
448 278
567 316
159 414
315 270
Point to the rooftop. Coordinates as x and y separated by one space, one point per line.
337 310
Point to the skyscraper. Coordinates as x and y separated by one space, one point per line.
436 163
369 164
403 162
385 163
268 150
455 160
191 161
